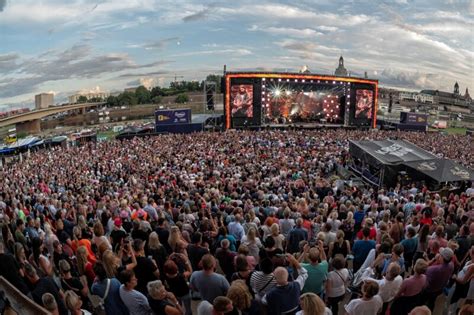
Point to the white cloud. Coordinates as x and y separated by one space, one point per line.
287 31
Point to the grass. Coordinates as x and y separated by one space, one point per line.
451 131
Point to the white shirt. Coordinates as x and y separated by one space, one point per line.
327 311
338 279
389 289
359 306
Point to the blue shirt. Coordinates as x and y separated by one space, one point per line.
113 303
361 249
359 216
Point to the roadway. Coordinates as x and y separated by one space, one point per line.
41 113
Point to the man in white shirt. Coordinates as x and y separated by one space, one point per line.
389 285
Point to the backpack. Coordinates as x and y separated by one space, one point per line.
98 303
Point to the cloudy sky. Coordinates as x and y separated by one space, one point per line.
75 45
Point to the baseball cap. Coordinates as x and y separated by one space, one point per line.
446 253
118 222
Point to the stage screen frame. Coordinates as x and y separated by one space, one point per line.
231 78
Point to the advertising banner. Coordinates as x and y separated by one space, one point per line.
414 119
172 116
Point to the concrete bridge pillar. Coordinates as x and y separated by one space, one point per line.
29 127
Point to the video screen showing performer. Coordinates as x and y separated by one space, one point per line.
242 100
364 104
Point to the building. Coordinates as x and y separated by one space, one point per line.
450 99
340 70
44 100
89 95
407 96
424 98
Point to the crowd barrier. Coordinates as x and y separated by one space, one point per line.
19 302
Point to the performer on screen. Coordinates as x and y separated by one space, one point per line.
364 104
242 104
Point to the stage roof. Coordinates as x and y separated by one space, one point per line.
394 153
442 170
391 152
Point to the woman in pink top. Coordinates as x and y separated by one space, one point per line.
409 295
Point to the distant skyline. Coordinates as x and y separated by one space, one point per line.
78 45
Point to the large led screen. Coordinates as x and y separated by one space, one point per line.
290 102
242 100
364 104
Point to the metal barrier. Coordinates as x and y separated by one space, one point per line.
19 302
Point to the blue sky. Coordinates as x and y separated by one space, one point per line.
77 45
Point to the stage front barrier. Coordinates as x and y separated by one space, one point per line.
20 303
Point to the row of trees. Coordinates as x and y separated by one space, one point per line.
155 96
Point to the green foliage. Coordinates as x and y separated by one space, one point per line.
182 98
21 135
127 99
82 99
215 78
112 101
157 99
143 95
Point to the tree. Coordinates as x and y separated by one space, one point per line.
82 99
182 98
215 78
143 95
156 91
112 101
127 98
157 99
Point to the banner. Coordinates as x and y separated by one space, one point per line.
414 119
172 116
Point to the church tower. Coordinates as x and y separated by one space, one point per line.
340 70
467 97
456 88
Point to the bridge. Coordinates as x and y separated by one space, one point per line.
29 122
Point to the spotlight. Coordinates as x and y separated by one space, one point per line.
263 86
332 102
287 80
279 80
333 82
288 92
263 79
277 92
302 80
348 103
296 80
263 99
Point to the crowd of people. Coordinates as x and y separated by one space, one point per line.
241 222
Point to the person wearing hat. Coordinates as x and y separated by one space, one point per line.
438 275
118 233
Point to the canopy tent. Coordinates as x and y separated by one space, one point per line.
380 162
442 170
389 152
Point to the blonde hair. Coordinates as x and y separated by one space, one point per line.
81 256
71 299
110 263
174 238
239 295
312 304
251 234
275 229
154 241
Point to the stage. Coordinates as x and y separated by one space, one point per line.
301 126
